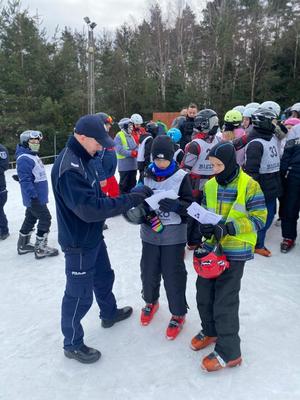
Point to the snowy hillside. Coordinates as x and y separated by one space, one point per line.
137 362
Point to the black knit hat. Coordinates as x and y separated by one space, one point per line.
162 148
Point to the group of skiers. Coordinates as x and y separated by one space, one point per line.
259 136
237 171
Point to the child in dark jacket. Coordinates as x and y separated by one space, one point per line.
34 189
239 199
163 252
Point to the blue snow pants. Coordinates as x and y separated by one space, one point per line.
3 219
261 235
88 271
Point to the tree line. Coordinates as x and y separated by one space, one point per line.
238 51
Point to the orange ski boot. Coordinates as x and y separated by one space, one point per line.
200 341
214 362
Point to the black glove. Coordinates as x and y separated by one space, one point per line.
15 178
139 193
221 230
142 190
283 128
206 230
168 205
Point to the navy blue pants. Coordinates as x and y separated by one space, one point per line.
88 271
3 219
291 209
261 235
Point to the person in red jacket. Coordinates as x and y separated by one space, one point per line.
138 129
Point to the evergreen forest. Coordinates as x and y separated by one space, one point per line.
237 51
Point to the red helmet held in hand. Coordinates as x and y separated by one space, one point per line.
210 265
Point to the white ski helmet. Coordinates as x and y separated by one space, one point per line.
295 107
239 108
252 105
271 105
249 111
137 119
124 123
27 135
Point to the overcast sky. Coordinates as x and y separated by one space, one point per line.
108 14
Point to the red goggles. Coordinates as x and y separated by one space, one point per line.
109 120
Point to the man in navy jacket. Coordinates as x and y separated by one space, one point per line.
81 211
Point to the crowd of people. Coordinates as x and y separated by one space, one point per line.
239 171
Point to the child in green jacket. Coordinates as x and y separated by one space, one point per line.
239 199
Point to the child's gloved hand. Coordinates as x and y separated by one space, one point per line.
221 230
207 230
168 205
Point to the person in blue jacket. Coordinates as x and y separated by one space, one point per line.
4 233
34 188
81 210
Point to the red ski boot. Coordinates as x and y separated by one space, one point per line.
148 312
175 326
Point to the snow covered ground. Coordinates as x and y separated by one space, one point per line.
138 362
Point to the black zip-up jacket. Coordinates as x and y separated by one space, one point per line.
81 207
4 162
290 161
186 127
270 183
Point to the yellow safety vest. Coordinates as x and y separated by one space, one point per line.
122 136
237 210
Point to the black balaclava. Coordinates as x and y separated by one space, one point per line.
225 152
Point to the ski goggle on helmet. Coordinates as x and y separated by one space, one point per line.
27 135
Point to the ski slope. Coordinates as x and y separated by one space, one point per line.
137 362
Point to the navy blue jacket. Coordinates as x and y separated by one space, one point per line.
3 167
32 176
81 207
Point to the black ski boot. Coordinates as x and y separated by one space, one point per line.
41 248
24 246
85 354
286 245
121 313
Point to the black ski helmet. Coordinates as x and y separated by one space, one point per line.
152 128
262 118
207 121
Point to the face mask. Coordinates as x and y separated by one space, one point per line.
34 147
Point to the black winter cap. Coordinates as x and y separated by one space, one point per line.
162 148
